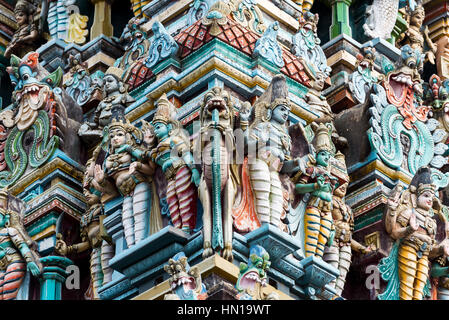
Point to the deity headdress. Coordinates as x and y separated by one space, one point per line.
275 95
422 181
24 6
116 72
166 112
322 139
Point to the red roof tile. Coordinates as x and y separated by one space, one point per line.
237 36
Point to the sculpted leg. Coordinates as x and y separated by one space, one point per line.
332 256
343 267
128 220
141 211
13 279
185 190
173 206
407 261
207 219
325 230
260 181
422 273
229 193
311 230
107 252
277 199
95 270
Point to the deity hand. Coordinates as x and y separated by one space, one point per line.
320 180
60 246
369 249
134 167
393 200
245 111
33 268
149 137
413 223
99 174
124 148
196 177
167 164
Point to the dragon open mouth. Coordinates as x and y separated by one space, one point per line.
217 104
400 82
188 283
250 279
33 96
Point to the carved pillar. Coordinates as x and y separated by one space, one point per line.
340 18
53 276
102 19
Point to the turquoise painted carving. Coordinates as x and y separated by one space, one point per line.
162 45
253 276
361 81
217 234
306 45
137 48
16 157
185 282
249 15
268 47
198 9
401 134
388 268
78 85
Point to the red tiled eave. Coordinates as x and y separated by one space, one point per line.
237 36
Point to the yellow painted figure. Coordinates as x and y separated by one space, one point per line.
409 218
317 180
305 5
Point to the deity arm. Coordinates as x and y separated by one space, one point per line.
78 247
439 249
34 34
21 244
429 42
291 166
306 188
358 247
437 270
399 232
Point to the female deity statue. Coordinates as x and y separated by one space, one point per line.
317 180
140 211
25 38
173 154
269 147
93 235
16 252
417 38
112 106
339 253
409 221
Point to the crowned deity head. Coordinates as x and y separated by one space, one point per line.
164 121
322 144
112 82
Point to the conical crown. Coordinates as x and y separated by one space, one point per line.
322 139
165 112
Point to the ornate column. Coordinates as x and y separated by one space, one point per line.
340 18
102 19
53 276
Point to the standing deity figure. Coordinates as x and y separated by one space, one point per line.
173 155
315 98
339 253
316 180
140 210
25 38
409 220
417 38
17 254
269 147
217 189
93 235
113 105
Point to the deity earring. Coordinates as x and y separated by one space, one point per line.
7 223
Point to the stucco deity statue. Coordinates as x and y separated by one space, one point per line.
133 179
93 235
339 253
173 155
269 147
416 37
409 220
315 178
315 98
217 189
113 105
25 38
17 254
